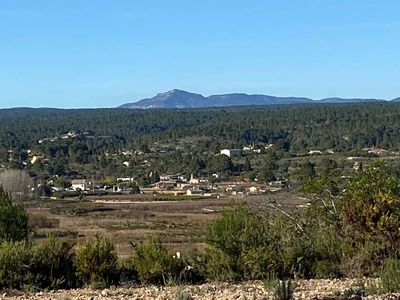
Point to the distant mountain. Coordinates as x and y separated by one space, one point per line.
341 100
244 99
170 99
182 99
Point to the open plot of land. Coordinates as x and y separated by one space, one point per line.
130 219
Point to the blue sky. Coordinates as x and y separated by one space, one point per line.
86 53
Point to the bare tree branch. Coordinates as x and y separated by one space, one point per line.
18 182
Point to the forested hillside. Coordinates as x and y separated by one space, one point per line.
66 140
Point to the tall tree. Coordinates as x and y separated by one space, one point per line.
306 172
13 219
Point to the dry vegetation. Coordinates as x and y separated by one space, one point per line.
125 219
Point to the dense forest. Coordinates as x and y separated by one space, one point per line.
91 141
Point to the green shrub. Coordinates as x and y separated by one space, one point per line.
127 273
155 263
238 229
96 262
361 260
358 289
13 219
49 265
16 260
390 276
244 244
270 282
370 207
350 228
55 263
280 289
315 253
213 264
284 290
258 263
318 248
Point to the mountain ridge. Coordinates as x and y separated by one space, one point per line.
182 99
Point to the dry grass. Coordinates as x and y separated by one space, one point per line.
180 224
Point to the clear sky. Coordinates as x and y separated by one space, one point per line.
103 53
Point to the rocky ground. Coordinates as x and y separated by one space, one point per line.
311 289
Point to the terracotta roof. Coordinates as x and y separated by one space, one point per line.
78 181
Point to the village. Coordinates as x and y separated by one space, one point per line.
139 162
172 185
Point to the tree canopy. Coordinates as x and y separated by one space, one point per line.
13 219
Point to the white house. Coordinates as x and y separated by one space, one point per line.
125 179
311 152
231 152
165 184
253 189
79 184
194 192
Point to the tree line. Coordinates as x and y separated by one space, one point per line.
199 133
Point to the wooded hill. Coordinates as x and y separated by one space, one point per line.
91 136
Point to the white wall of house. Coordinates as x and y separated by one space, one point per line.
231 152
79 185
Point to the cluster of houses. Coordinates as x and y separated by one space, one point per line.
376 151
247 150
177 185
32 157
76 185
69 135
239 152
84 186
373 150
319 152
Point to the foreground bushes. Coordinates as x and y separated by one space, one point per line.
96 262
24 264
242 245
348 230
56 264
155 264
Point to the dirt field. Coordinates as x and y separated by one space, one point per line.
124 219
